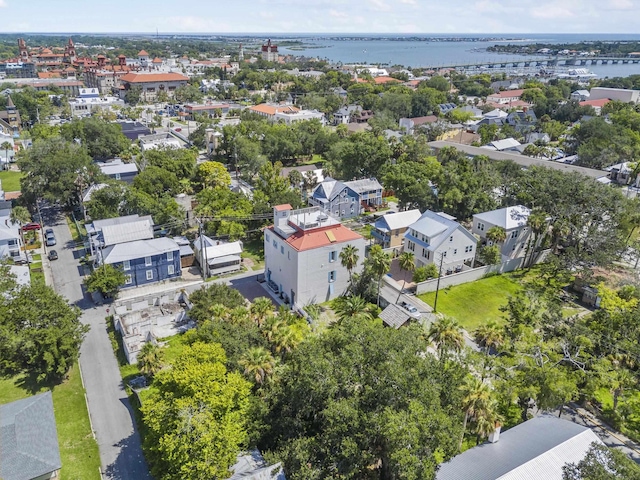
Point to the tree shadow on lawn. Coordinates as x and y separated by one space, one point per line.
29 382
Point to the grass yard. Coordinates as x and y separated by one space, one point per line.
254 250
10 180
475 303
78 231
78 449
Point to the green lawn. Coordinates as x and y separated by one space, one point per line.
254 249
78 231
475 303
627 417
10 180
78 449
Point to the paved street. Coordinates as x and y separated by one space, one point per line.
111 414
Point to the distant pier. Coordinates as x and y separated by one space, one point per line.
555 61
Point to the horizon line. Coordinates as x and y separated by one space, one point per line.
312 33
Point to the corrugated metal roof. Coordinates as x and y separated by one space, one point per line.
507 218
536 449
139 249
130 232
395 221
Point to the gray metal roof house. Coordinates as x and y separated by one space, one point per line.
28 439
536 449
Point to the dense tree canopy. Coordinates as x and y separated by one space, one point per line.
385 411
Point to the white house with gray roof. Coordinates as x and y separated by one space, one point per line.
389 229
536 449
119 170
514 222
437 236
28 439
346 199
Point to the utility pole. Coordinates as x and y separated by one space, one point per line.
435 302
202 251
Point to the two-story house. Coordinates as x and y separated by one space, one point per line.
145 261
437 237
119 170
514 222
128 243
346 199
9 232
389 229
302 255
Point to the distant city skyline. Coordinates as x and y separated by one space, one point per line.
322 16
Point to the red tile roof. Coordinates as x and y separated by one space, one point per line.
382 80
595 103
273 109
143 53
507 94
283 207
320 237
153 77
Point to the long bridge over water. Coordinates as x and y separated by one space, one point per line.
549 61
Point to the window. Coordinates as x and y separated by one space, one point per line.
149 274
353 200
275 244
282 249
267 238
444 254
171 270
455 251
514 234
169 256
332 276
128 280
333 256
481 226
147 261
337 213
425 253
126 265
411 246
522 245
343 213
451 238
117 176
514 248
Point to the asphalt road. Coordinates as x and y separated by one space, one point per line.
111 414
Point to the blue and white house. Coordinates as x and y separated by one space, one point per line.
128 243
437 236
346 199
145 261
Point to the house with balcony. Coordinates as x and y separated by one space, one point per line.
346 199
513 220
151 84
302 255
219 257
437 237
128 243
389 229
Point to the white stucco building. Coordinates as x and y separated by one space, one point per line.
302 255
514 222
437 236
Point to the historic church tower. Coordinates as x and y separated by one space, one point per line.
24 51
70 52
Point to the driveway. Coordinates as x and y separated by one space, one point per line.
111 413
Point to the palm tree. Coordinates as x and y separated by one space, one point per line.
261 308
476 396
6 146
487 420
496 234
537 221
150 359
447 335
21 216
489 335
239 315
219 311
406 264
353 307
349 259
380 263
258 363
287 338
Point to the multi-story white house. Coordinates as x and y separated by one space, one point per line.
302 255
151 84
514 222
437 237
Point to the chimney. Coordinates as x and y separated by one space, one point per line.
495 435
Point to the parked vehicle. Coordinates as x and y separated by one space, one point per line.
413 311
53 255
49 232
50 239
31 226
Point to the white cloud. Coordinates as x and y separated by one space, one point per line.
3 3
380 5
551 12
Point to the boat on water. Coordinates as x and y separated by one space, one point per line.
577 74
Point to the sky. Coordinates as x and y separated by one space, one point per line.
321 16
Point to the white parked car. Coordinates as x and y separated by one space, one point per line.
413 311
